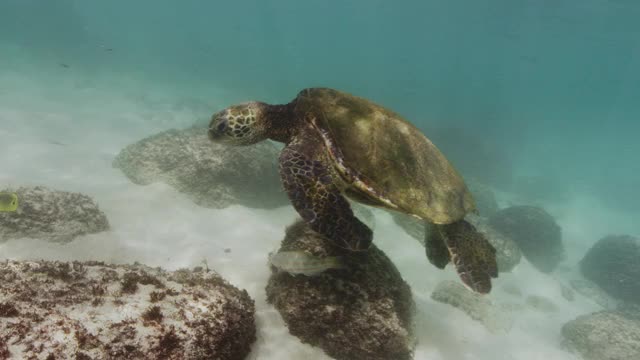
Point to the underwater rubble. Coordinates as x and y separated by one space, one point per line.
211 175
614 264
51 215
93 310
536 232
495 317
362 312
604 335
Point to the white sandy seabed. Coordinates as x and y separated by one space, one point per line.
63 132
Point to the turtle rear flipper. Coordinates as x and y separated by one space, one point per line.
316 197
471 253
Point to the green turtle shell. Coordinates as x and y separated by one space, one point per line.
394 164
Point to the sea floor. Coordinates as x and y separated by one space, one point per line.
62 132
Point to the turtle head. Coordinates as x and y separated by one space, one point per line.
242 124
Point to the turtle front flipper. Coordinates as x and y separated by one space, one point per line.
316 197
437 251
471 253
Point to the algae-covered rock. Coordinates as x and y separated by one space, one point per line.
605 335
212 175
362 312
614 264
91 310
479 307
536 233
51 215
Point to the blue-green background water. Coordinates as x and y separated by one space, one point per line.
537 99
546 90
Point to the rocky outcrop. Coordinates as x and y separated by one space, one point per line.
494 317
536 232
614 264
605 335
592 291
91 310
212 175
362 312
51 215
508 253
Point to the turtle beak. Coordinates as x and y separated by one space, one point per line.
217 126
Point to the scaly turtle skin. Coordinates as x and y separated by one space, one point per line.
341 145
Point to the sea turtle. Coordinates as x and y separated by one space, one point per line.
338 145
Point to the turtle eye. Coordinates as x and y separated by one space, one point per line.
222 126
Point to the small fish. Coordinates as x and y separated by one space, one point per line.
303 263
66 66
54 142
8 202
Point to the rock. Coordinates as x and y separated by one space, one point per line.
605 335
91 310
592 291
494 317
614 264
362 312
536 233
56 216
507 251
212 175
541 303
486 203
630 310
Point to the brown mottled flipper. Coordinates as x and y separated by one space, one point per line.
437 251
473 256
316 197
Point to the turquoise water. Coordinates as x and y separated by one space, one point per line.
547 89
536 99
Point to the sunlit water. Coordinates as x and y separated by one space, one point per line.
547 88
